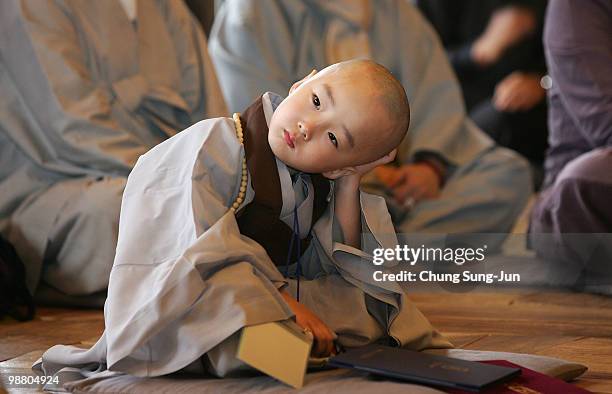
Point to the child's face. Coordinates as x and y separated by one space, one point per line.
329 122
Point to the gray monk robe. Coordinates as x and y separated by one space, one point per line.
84 92
185 279
268 45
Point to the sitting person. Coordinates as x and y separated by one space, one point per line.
448 177
571 221
495 48
85 88
209 219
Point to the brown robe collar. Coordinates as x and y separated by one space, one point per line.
260 220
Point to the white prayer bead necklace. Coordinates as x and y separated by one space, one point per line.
243 179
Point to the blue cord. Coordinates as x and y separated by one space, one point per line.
295 238
296 232
288 259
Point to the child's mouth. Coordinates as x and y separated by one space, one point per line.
288 139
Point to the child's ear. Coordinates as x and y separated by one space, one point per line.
335 174
301 81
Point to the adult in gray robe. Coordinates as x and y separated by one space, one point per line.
270 44
84 91
185 280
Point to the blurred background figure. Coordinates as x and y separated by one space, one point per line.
204 12
571 223
86 87
449 176
495 48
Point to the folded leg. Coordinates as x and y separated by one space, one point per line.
571 223
71 228
485 196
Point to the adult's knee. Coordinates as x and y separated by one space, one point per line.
572 219
484 196
577 202
101 199
593 166
515 164
507 186
512 176
81 248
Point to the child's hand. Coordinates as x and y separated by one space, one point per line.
323 345
365 168
354 174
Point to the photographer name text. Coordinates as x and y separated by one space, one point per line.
455 277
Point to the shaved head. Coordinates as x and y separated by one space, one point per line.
389 93
348 114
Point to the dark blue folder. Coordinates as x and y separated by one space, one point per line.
423 368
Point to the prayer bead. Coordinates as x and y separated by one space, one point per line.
244 175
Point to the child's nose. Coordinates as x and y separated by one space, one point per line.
305 130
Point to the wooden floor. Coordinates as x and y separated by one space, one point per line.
572 326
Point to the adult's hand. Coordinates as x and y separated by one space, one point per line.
518 92
323 345
506 27
417 181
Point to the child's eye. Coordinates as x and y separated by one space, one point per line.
333 139
315 101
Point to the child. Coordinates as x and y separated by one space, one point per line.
211 217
